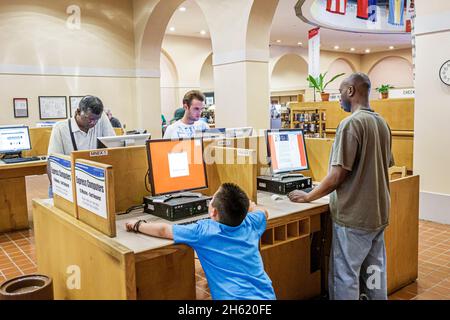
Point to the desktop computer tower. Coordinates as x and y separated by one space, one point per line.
283 186
177 208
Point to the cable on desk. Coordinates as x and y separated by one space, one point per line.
129 210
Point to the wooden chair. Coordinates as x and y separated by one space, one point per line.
397 170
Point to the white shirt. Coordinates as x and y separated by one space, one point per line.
61 142
179 130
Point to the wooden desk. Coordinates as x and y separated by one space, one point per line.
151 268
13 193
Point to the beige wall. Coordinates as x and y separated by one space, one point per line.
40 55
432 132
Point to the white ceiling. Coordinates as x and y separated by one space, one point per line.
288 28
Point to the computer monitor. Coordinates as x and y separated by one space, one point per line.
123 141
286 150
239 132
176 166
214 133
14 139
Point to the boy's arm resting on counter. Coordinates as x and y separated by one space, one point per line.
254 207
159 230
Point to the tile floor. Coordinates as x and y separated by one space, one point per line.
17 257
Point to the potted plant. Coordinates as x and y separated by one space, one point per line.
384 90
320 85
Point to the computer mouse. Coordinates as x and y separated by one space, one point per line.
276 197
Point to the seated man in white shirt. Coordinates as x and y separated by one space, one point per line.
81 131
189 126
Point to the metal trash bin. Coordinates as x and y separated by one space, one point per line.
28 287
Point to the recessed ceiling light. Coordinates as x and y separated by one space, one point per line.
352 49
391 48
336 47
172 29
300 43
367 51
182 9
203 32
278 41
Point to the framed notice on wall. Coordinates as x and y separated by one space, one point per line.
52 108
20 107
74 101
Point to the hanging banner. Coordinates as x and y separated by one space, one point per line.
314 52
396 12
337 6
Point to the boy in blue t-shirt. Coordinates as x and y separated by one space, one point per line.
227 245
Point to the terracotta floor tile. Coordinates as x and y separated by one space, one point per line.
441 290
430 296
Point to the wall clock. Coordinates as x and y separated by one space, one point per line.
444 73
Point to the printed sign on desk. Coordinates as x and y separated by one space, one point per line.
61 170
91 189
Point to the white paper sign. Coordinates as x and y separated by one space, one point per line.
178 164
61 170
91 189
402 93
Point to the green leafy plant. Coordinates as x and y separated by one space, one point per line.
384 88
319 83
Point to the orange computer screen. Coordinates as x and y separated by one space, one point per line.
287 151
176 166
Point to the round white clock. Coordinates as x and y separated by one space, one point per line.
444 73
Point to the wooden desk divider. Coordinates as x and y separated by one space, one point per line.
130 172
39 138
63 183
234 165
119 131
94 184
257 143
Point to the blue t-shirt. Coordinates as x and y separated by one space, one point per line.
230 257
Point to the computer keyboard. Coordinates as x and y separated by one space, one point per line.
20 160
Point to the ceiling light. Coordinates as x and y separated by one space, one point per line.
182 9
172 29
391 48
203 32
367 51
336 47
278 41
352 49
300 43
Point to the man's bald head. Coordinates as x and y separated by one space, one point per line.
355 90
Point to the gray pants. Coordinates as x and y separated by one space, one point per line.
357 265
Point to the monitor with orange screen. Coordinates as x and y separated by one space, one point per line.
176 166
286 150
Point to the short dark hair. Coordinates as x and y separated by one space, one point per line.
232 203
91 103
191 95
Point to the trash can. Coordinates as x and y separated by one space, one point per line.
28 287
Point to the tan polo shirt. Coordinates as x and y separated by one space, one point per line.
61 142
363 147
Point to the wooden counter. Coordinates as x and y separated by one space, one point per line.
13 193
152 268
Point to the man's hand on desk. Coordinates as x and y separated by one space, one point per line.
299 196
